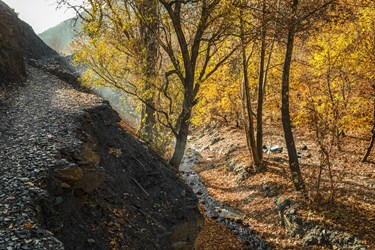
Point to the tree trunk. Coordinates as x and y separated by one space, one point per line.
181 141
148 27
183 132
148 122
371 144
246 103
288 134
260 89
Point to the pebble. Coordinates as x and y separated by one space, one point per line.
59 200
91 241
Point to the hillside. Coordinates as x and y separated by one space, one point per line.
60 36
71 176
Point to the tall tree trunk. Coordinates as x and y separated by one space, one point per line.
372 141
181 142
260 87
288 134
183 131
148 124
148 27
246 103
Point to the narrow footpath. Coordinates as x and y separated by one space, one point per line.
37 123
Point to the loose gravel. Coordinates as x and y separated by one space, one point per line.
37 123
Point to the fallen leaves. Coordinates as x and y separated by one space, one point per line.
352 212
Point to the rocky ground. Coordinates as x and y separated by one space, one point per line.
72 178
268 202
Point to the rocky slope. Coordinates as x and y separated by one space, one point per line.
12 65
71 176
18 44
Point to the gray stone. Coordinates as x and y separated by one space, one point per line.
59 200
91 241
183 193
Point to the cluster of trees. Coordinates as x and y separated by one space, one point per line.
236 61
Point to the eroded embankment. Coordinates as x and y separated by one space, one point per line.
72 177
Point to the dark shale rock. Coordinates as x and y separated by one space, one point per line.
19 45
311 233
91 179
12 66
69 174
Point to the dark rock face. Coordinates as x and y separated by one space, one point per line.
12 66
311 233
17 42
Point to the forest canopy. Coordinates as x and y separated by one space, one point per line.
308 64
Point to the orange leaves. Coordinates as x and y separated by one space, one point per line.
27 226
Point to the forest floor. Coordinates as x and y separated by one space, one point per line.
224 154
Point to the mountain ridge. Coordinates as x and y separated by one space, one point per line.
60 36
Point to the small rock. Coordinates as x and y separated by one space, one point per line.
276 149
183 193
90 180
70 174
59 200
64 185
91 241
238 220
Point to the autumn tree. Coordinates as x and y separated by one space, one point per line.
299 18
127 30
189 33
198 31
149 21
250 29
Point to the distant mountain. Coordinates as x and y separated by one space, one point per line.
61 36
